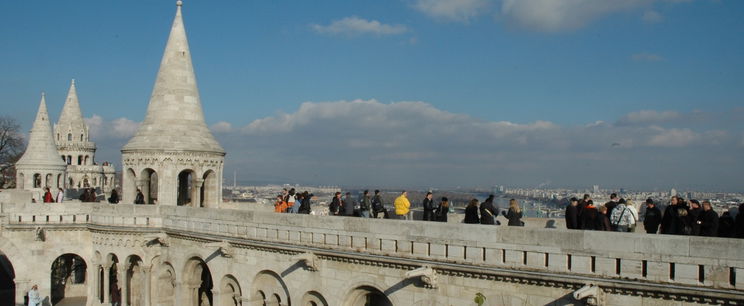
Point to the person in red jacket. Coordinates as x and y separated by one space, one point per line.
48 197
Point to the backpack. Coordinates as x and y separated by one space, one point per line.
377 203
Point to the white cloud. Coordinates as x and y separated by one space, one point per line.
647 117
651 16
221 127
647 57
452 10
355 26
100 129
561 15
673 137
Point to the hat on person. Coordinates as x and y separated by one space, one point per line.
649 201
574 199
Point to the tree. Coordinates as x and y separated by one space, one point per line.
11 149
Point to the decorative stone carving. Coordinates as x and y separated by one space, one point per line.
309 259
426 274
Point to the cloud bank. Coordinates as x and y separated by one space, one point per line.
414 144
355 26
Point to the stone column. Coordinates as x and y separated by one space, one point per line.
216 297
196 184
122 277
147 276
144 186
107 284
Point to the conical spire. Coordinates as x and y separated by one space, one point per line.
174 120
41 150
71 114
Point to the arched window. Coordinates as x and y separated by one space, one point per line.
80 160
81 137
69 137
37 180
57 136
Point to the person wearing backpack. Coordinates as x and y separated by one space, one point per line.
378 207
364 205
440 214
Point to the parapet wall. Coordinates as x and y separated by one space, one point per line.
626 261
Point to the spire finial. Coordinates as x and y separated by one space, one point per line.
43 94
73 82
179 3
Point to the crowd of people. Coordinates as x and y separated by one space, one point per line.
680 217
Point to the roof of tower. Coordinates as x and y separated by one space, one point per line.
71 114
41 150
174 120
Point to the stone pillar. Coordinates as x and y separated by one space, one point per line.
196 185
216 297
192 293
122 277
91 279
144 186
107 284
147 276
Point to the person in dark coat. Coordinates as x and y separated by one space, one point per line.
739 223
428 205
114 198
589 217
471 212
440 214
335 205
348 208
708 221
572 214
377 206
305 203
669 220
487 211
725 225
48 197
603 221
684 226
140 198
652 219
514 215
693 217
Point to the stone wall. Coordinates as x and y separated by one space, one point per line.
509 265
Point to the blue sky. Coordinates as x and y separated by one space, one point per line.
663 77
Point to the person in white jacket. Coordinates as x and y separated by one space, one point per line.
60 195
34 298
623 217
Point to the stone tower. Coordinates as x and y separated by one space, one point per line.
40 166
76 149
173 158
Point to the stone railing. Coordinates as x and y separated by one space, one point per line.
584 256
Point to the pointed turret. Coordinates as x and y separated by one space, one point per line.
41 150
71 115
174 120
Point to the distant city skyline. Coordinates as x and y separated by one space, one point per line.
421 93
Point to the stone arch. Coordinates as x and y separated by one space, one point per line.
72 184
68 277
367 295
230 294
187 182
132 285
86 160
209 189
80 160
37 180
69 136
7 281
269 287
165 285
148 184
60 180
198 283
48 180
69 159
313 298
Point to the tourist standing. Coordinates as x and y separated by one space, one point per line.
669 220
582 204
305 204
621 217
603 220
402 206
514 215
428 205
611 205
335 205
652 219
471 212
60 195
572 214
114 198
440 214
693 216
589 217
378 207
279 204
290 199
708 221
739 223
348 206
365 204
140 198
34 298
488 212
48 198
